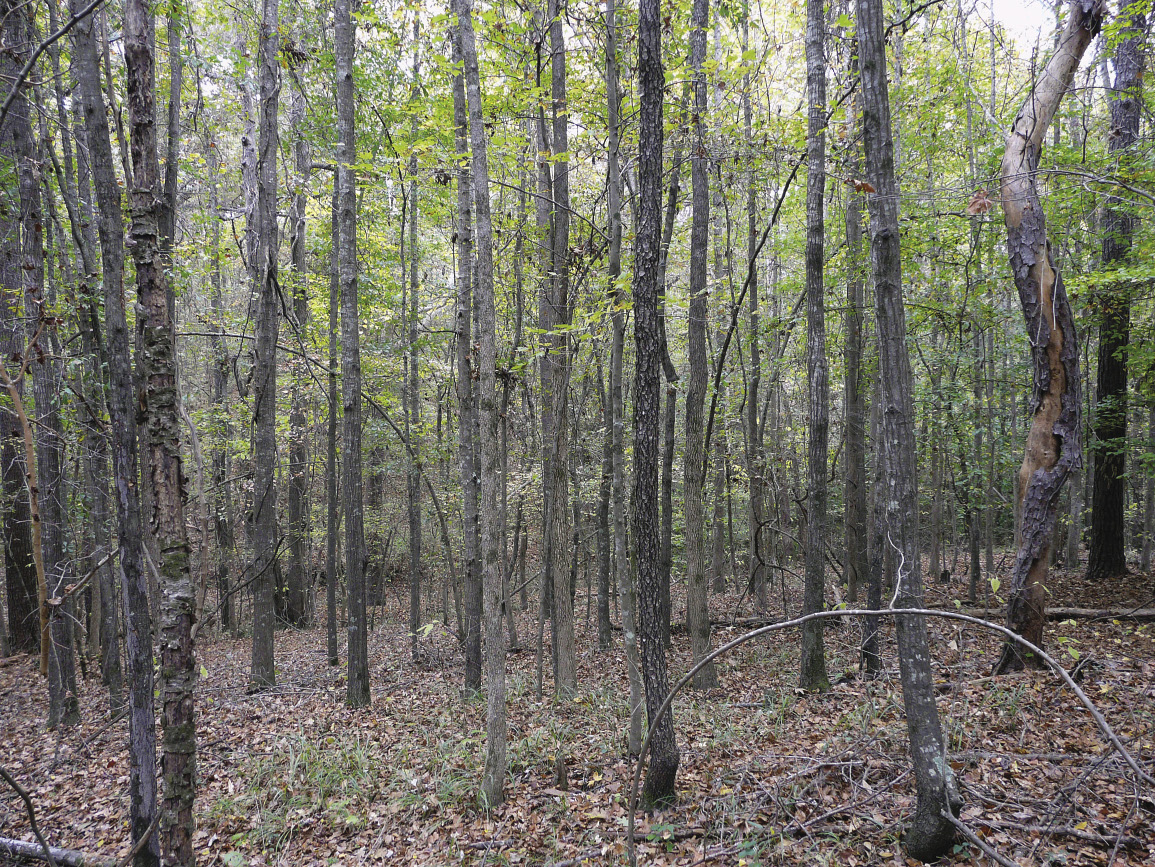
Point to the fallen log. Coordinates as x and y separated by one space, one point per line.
1142 615
63 857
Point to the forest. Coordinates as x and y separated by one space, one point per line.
563 432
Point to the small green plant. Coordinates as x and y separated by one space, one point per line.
303 780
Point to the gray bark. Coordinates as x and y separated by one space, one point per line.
496 732
623 573
465 397
357 688
697 607
263 265
931 833
297 608
157 339
813 665
663 769
122 418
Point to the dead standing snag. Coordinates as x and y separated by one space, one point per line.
1053 445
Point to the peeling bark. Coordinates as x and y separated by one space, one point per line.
1054 446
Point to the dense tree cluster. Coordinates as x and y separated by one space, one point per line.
388 259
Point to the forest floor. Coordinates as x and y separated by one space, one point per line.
767 776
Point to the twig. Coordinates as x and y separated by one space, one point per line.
139 844
974 838
31 814
1100 721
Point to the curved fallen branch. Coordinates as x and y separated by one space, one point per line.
44 850
1100 721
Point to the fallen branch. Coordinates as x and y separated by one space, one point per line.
1100 721
974 838
1143 615
42 848
52 854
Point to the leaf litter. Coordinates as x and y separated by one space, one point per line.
768 775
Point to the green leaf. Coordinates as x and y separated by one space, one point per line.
843 21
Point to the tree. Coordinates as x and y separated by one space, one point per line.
411 375
466 421
663 768
813 674
20 572
697 609
162 438
1106 555
297 610
263 264
122 417
931 832
357 687
492 790
1054 444
622 568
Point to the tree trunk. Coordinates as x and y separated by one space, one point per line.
357 690
332 507
162 435
813 666
466 423
264 267
663 768
122 418
605 633
854 497
623 574
1148 501
1054 446
697 605
496 735
1106 555
19 565
930 833
97 453
563 617
412 381
297 608
755 451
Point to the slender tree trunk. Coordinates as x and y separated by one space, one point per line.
332 507
97 452
930 833
669 411
755 451
1106 556
264 267
1149 501
19 562
697 605
1054 444
297 609
413 384
813 667
496 734
466 422
122 417
663 768
45 480
623 574
357 691
162 435
563 617
604 532
854 495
